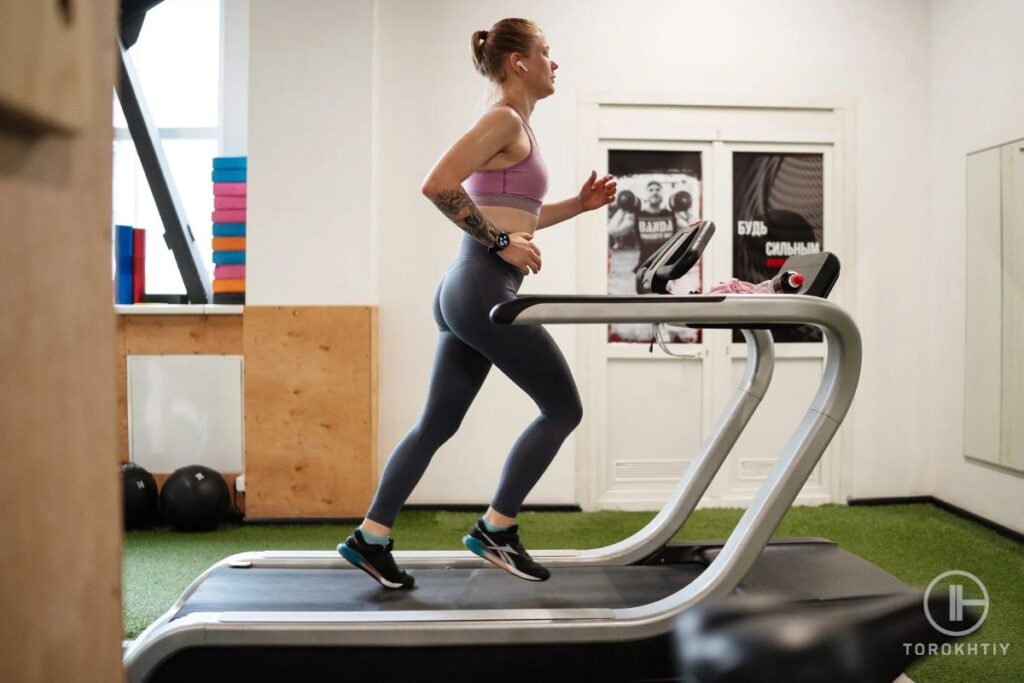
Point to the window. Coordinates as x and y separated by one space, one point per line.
178 60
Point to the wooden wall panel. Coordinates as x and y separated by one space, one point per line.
309 388
374 385
183 334
60 512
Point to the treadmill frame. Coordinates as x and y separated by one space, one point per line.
522 626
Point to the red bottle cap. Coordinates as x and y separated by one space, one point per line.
796 279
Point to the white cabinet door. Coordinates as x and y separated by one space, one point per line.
185 410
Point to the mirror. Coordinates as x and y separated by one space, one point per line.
994 363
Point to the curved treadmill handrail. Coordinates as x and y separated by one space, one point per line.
800 455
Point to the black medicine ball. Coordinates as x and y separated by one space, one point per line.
195 498
139 497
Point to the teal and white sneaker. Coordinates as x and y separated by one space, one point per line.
503 550
375 560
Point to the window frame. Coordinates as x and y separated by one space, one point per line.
184 133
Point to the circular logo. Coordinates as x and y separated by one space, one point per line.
957 602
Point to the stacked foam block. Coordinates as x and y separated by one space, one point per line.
130 264
229 197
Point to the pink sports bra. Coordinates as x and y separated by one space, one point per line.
520 186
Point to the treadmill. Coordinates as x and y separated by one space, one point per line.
606 614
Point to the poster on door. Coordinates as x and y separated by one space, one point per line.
778 212
659 194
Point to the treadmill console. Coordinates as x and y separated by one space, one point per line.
683 250
820 272
674 258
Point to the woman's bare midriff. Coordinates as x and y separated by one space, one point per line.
510 220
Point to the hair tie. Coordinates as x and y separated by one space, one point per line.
483 36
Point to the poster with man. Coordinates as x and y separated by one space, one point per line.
778 212
659 194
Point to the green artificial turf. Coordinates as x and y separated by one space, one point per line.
915 543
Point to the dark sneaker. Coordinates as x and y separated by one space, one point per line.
375 560
503 549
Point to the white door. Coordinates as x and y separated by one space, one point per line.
648 411
805 193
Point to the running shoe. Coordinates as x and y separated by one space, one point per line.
375 560
503 550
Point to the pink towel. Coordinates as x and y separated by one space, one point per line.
732 286
229 216
226 272
229 202
229 189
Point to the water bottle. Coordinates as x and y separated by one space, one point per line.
786 282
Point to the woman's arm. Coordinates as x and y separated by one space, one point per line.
556 212
594 194
493 132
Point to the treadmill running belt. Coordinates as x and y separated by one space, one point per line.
229 589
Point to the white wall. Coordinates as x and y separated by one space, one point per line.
977 100
348 92
872 56
235 78
309 153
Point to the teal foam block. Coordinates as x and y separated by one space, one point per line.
229 162
229 257
229 175
229 229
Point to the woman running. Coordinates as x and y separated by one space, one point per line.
491 183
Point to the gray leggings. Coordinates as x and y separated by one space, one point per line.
468 344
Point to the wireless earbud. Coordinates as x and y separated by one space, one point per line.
521 65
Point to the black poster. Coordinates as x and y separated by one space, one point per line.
778 212
659 194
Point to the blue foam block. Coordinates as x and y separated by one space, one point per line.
123 280
229 175
229 229
230 258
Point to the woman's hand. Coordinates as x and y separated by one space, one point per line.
522 253
597 192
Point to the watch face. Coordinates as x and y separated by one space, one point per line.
502 241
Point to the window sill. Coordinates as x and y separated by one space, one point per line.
178 309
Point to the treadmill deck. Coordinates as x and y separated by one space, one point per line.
800 569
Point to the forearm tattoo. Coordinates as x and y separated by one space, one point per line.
460 209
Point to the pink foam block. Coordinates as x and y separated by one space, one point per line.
228 202
226 272
234 189
229 216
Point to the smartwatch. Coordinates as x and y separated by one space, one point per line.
500 242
